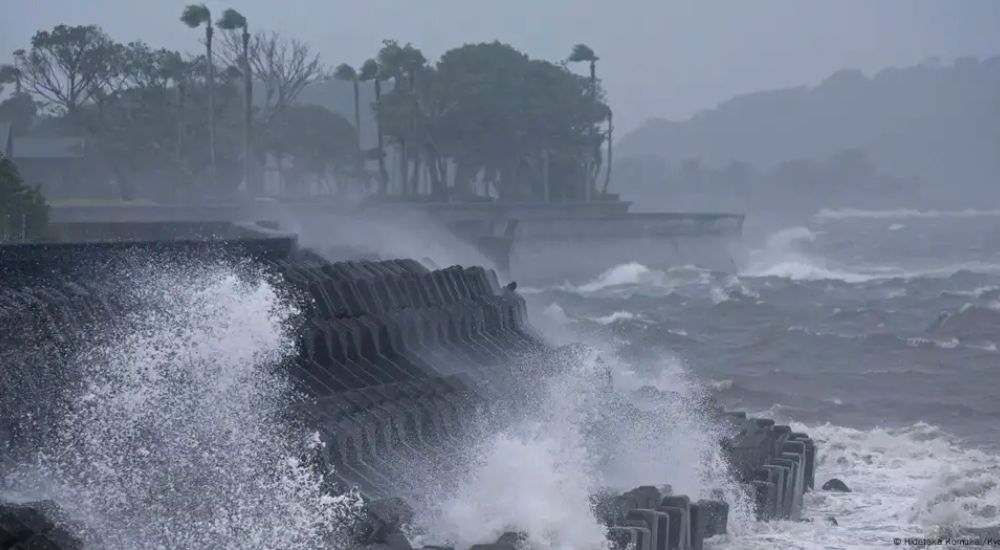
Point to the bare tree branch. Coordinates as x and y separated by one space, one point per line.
284 68
68 66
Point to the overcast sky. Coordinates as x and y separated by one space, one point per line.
659 58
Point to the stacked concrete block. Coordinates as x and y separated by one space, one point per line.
383 322
396 361
651 517
776 464
370 436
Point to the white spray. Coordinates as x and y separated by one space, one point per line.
174 437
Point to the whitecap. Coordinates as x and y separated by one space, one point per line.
900 213
905 482
615 317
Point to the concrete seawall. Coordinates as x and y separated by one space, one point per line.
394 362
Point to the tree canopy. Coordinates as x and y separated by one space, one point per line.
494 113
68 66
483 119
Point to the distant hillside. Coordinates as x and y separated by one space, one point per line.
937 123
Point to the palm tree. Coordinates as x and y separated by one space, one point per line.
401 63
194 16
11 73
370 70
583 53
607 173
177 70
232 20
347 73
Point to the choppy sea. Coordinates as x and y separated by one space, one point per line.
875 331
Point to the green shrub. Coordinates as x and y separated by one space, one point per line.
23 212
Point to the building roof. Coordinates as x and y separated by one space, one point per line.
5 139
47 148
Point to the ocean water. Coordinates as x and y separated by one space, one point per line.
875 331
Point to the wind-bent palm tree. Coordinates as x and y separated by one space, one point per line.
347 73
11 74
194 16
232 20
583 53
370 70
607 173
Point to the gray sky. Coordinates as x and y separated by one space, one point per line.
667 58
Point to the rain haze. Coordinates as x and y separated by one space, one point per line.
533 274
658 58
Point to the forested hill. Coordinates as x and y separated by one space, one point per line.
936 122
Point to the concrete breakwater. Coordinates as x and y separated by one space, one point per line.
394 363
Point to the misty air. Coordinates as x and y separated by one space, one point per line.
520 275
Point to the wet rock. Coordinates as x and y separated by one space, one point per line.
30 527
507 541
383 519
830 520
397 541
516 539
836 485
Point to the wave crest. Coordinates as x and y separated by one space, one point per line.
900 213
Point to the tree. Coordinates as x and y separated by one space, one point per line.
23 212
583 53
510 120
318 140
284 68
195 15
402 63
10 74
19 110
370 70
68 66
347 73
233 20
611 144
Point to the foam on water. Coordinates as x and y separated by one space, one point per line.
912 481
732 291
534 475
787 254
615 317
537 474
173 436
793 254
881 349
900 213
554 313
632 273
